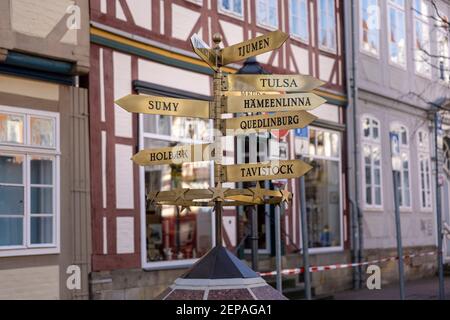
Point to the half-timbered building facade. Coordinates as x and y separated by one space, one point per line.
143 47
44 150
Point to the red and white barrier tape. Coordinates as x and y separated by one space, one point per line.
343 265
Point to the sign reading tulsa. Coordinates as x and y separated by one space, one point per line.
286 83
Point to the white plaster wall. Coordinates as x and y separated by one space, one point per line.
122 87
183 20
125 235
37 18
173 77
37 283
124 177
142 12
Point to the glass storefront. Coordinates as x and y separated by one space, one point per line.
175 233
323 189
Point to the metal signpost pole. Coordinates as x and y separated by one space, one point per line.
306 274
399 236
278 247
440 257
217 89
254 235
396 167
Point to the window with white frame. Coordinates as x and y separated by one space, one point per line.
423 148
443 48
421 38
267 13
299 19
232 6
404 179
174 236
29 188
327 25
397 32
371 146
323 189
370 26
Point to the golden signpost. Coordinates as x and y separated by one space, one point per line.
165 106
278 120
269 82
253 47
272 103
233 93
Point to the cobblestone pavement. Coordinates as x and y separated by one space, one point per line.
423 289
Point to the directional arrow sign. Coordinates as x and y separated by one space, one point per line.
253 47
177 155
204 51
266 82
165 106
271 103
286 169
279 120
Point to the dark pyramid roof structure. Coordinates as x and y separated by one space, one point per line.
219 263
219 275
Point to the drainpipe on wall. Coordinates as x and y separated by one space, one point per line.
436 107
356 214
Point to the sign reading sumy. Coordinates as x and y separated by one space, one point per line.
283 99
165 106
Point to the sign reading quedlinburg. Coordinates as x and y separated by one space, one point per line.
266 82
272 103
283 169
279 120
177 154
253 47
204 51
165 106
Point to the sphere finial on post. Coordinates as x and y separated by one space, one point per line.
217 38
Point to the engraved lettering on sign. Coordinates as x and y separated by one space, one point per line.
162 105
270 122
279 120
267 171
277 102
272 102
278 83
165 106
252 47
169 155
286 83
